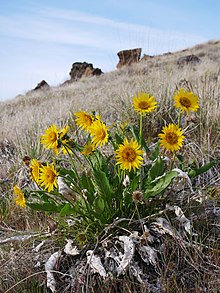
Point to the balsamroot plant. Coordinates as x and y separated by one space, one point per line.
103 172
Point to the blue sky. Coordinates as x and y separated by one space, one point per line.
41 39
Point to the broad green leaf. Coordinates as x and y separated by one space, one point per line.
102 185
143 144
44 207
67 173
135 132
157 169
41 194
66 210
127 199
99 204
156 152
119 139
181 161
197 171
134 185
86 183
160 184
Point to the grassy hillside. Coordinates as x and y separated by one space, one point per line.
24 119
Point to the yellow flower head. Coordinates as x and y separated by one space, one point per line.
172 137
186 101
129 155
63 132
88 149
19 197
50 138
48 177
99 133
35 170
84 120
144 103
64 138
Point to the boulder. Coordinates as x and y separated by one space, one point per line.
83 69
128 57
43 85
188 60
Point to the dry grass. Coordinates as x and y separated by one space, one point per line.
23 120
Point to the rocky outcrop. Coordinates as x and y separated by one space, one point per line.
146 57
128 57
43 85
83 69
188 60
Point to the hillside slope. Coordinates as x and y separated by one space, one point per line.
24 119
160 75
111 93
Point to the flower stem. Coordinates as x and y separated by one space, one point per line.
141 129
173 160
179 118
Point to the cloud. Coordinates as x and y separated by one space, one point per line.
42 43
82 29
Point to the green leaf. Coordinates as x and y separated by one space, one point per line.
66 210
99 204
86 183
119 139
181 161
157 169
160 184
135 132
156 152
49 207
180 158
102 185
135 182
63 172
143 144
41 194
197 171
127 199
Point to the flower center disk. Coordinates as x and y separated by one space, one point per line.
129 155
53 136
172 138
50 176
143 105
101 134
184 101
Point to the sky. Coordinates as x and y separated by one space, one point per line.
42 39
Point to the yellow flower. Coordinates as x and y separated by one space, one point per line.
19 197
186 101
63 132
65 139
88 149
84 120
50 138
129 155
172 137
48 177
144 103
35 170
99 133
